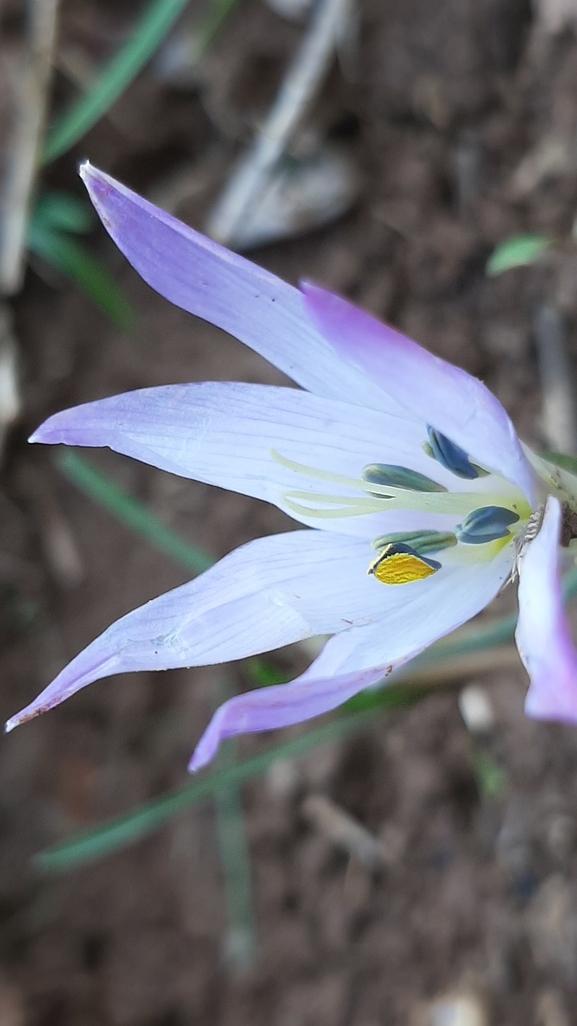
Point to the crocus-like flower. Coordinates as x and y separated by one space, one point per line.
422 501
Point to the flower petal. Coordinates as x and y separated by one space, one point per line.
543 636
225 433
266 594
198 275
446 397
357 658
279 706
425 613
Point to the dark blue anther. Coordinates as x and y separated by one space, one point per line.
486 524
392 476
450 456
421 541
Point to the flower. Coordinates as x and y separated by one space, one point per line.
421 499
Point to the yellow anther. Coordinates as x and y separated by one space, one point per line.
400 564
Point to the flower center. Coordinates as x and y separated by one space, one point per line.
486 519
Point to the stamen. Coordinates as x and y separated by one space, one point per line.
400 564
383 497
455 503
486 524
451 456
386 474
346 507
319 475
420 541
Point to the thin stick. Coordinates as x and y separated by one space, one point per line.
298 89
345 832
557 381
32 96
505 657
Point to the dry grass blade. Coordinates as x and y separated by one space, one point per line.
559 415
300 85
344 831
9 387
32 94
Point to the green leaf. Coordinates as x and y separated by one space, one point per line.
131 512
517 252
146 38
491 778
61 212
74 261
263 674
562 460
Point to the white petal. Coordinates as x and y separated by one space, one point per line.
543 637
225 434
264 595
423 614
198 275
449 399
362 656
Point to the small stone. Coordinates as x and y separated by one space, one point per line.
284 778
452 1010
476 709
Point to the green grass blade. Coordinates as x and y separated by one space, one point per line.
517 252
241 948
157 21
130 511
219 9
562 460
121 832
241 945
72 259
126 830
60 211
491 778
146 38
264 674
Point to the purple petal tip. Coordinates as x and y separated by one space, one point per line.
201 756
43 434
85 170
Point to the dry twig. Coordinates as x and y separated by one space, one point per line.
300 85
344 832
32 93
559 415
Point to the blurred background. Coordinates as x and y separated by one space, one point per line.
413 866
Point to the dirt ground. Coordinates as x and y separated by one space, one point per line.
461 118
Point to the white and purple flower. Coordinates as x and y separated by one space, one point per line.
421 499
